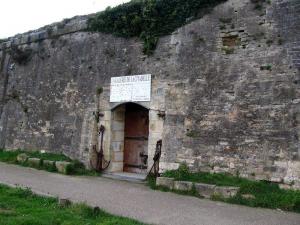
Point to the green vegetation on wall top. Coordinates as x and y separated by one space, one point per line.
149 19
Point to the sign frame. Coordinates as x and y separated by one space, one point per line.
134 88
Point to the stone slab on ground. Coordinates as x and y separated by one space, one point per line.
62 166
139 202
183 185
165 182
140 178
34 162
227 192
205 190
21 158
48 163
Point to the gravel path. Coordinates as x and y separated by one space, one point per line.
139 202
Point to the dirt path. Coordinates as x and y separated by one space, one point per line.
141 203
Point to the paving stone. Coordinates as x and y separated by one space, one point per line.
62 166
34 162
183 185
227 192
165 182
48 163
22 157
205 190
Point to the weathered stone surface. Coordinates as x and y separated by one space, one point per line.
227 192
236 112
34 162
285 186
165 182
183 185
21 158
62 166
205 190
48 163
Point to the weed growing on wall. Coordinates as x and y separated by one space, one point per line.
149 19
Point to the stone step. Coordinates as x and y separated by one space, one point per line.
132 177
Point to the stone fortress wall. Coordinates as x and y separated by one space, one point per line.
229 84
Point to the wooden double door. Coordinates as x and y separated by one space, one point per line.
136 138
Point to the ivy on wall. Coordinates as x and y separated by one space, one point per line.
149 19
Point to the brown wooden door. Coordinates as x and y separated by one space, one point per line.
136 138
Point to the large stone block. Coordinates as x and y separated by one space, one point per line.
48 164
118 156
205 190
164 166
116 167
62 166
117 146
227 192
34 162
21 158
183 185
165 182
118 136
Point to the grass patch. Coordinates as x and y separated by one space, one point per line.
11 156
19 206
264 194
76 167
149 19
267 195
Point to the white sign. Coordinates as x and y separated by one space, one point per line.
131 88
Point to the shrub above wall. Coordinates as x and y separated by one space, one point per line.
149 19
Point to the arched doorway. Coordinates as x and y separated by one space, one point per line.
136 135
130 133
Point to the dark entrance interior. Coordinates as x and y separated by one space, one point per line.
136 138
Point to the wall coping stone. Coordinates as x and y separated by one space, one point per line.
205 190
23 157
67 26
183 185
62 166
165 182
34 162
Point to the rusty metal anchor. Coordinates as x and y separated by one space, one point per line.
101 162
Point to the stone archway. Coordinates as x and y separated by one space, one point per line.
129 138
113 119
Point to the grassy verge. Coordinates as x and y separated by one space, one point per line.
76 167
252 193
11 156
23 207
